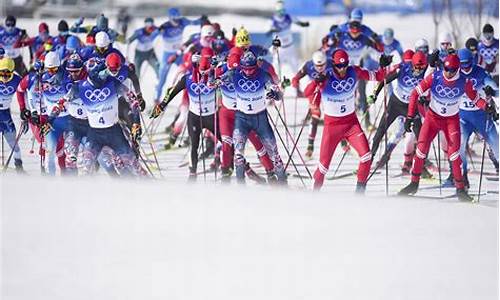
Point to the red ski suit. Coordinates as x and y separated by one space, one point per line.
442 115
338 98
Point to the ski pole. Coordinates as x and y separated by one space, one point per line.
18 137
439 163
286 149
482 159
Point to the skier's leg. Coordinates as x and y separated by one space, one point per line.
332 134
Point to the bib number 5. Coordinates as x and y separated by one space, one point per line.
342 108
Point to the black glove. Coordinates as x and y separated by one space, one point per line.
142 103
35 118
385 60
338 35
333 27
489 91
25 114
285 83
409 124
274 95
234 31
375 37
23 32
492 111
276 42
434 58
452 51
204 19
423 100
303 24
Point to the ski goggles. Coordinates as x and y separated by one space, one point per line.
9 24
419 67
450 70
52 70
6 73
424 49
445 45
341 66
74 70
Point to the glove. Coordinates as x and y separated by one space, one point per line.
285 83
195 58
79 22
45 128
303 24
492 111
25 114
38 66
23 32
320 77
433 58
35 118
423 100
204 19
172 58
142 103
452 51
136 132
157 110
276 42
371 99
295 82
338 35
409 124
489 91
234 31
274 95
334 27
385 60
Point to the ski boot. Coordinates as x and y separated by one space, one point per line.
360 188
19 166
192 175
226 175
253 176
410 189
272 179
309 152
464 196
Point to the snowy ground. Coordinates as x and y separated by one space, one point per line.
158 239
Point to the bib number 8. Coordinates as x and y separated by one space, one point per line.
79 111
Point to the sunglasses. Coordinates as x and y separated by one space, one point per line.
419 67
341 66
52 69
5 73
73 71
450 70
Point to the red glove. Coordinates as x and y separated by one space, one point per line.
295 82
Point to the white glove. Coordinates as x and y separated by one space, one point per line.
195 58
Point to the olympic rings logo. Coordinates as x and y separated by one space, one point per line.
343 85
9 40
350 44
249 85
410 81
98 94
446 92
69 85
474 82
53 89
6 90
121 78
198 88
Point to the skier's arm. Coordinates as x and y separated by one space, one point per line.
364 74
474 95
300 74
313 89
21 92
81 29
488 81
26 42
390 78
300 23
133 37
133 77
179 86
419 91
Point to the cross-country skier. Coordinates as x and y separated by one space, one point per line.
8 38
8 86
447 87
144 50
473 119
488 50
337 93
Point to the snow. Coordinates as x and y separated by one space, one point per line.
98 238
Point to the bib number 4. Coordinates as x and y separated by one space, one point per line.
101 120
